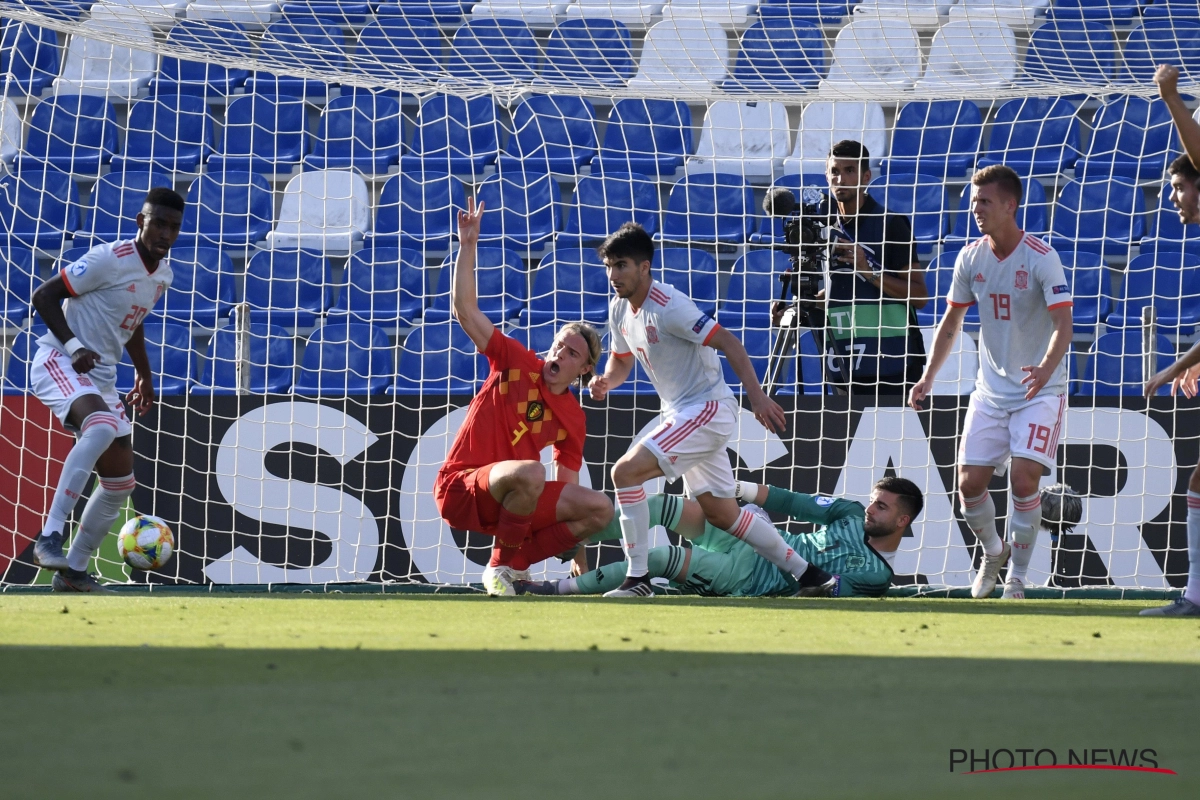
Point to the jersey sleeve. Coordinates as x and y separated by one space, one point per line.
615 339
684 320
810 508
960 287
1051 276
505 352
91 272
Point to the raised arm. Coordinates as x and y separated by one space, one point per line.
47 301
766 410
463 300
1167 78
943 340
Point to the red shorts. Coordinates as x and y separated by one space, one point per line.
465 502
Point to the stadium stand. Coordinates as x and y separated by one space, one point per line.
725 12
921 14
439 359
970 55
495 50
938 138
819 12
454 135
570 285
1034 136
550 134
1162 41
778 54
1017 14
1167 281
385 286
501 283
629 12
709 208
271 360
531 12
251 13
681 57
345 359
169 132
29 58
647 137
344 12
228 209
1031 214
441 12
116 201
753 286
1132 138
1114 364
289 288
1073 51
1109 12
939 276
20 356
172 359
748 139
18 276
526 210
824 123
602 203
39 207
416 210
924 199
203 291
589 52
307 43
1087 275
391 48
1100 216
200 77
359 131
690 270
1166 231
72 132
262 134
873 55
96 66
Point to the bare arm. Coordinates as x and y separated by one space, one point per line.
47 301
766 410
906 284
463 299
616 372
141 396
943 341
1036 376
1182 375
1167 78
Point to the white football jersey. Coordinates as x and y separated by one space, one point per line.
668 335
1015 297
111 293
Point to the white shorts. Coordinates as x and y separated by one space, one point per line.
690 443
1030 430
57 385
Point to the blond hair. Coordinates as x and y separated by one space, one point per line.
591 336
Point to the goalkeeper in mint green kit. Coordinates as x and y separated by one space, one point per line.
855 544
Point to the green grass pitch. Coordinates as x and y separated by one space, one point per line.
206 696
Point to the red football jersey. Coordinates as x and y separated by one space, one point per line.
513 417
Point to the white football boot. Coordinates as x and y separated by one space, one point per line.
1014 589
498 581
989 573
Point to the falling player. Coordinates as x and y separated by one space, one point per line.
107 293
493 481
676 346
1016 410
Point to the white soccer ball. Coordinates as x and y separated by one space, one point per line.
146 542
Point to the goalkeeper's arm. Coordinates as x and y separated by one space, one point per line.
797 505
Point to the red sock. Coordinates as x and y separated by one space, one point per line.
502 555
512 529
543 544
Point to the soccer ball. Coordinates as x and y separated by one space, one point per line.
145 542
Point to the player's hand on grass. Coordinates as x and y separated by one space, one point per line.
768 412
84 360
1167 79
141 396
1035 379
919 392
468 223
598 387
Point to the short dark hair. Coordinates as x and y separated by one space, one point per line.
1184 166
1005 177
167 198
909 494
628 241
849 148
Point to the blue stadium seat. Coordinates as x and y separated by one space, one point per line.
346 13
67 10
758 342
570 285
523 210
203 289
939 138
439 359
494 50
551 134
290 288
384 286
1133 138
1167 232
538 338
29 58
1099 216
820 12
924 199
1114 365
1034 136
307 43
595 53
396 48
117 199
172 359
648 137
272 360
1031 215
442 12
1170 282
1074 52
73 132
500 281
20 358
812 376
38 208
231 209
770 229
1112 12
691 271
939 276
262 134
779 54
1163 41
454 135
712 208
753 286
1171 9
1087 275
603 203
417 210
228 39
636 384
360 131
170 132
18 277
345 358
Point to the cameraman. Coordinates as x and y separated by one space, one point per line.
875 280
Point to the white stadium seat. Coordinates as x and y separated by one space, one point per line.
747 138
971 54
92 66
823 123
957 375
252 13
10 130
630 12
1017 14
158 13
531 12
326 210
682 56
873 55
921 14
725 12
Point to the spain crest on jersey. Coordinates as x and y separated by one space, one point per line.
651 334
1022 280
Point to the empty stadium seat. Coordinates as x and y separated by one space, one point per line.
647 137
327 210
306 43
538 338
176 76
251 13
345 358
417 210
494 50
28 57
262 134
571 284
18 277
1087 274
1110 12
1101 217
709 208
454 135
532 12
172 359
395 48
1162 41
1032 214
690 270
203 289
724 12
288 287
1167 232
939 277
936 138
1075 52
682 56
229 209
551 133
75 133
873 55
439 359
1171 9
346 13
384 286
170 132
758 343
272 359
604 202
748 139
778 54
961 368
1017 14
753 287
1034 136
10 130
822 124
441 12
38 208
358 131
594 53
96 66
523 210
1168 281
117 199
20 358
1115 364
630 12
971 54
1133 138
500 281
818 12
924 199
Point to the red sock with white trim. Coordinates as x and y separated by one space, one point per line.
766 541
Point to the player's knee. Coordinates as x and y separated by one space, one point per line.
100 427
969 488
624 474
600 511
530 478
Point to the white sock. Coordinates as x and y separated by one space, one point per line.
99 514
745 491
568 586
635 529
1192 592
96 434
766 541
980 514
1027 516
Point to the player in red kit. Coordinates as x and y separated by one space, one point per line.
493 480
